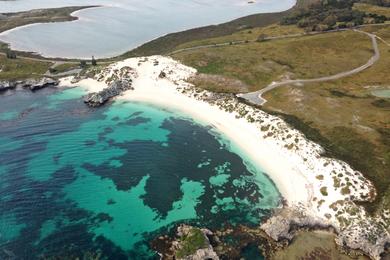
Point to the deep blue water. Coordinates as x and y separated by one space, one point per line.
76 180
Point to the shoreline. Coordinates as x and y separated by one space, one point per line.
319 191
200 31
72 18
160 93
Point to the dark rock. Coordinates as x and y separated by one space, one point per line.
32 84
99 98
162 75
42 83
5 85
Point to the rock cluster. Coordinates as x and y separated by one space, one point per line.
32 84
189 243
206 252
101 97
283 224
367 236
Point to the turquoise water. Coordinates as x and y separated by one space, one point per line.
122 25
76 180
383 93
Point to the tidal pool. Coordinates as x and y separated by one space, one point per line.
382 93
78 181
119 26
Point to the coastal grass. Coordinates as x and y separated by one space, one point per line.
372 9
257 64
342 115
64 67
190 243
17 69
347 119
169 42
252 34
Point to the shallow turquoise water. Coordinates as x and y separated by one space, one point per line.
383 93
75 179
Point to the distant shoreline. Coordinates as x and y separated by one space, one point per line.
38 16
162 44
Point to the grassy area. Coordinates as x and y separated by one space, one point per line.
248 34
342 115
259 63
372 9
64 67
15 69
345 118
190 243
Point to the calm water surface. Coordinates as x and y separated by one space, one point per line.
77 181
121 25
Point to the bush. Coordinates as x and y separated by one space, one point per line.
324 191
83 64
11 54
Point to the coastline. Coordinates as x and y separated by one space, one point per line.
72 18
160 45
319 191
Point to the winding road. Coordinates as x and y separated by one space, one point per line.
256 97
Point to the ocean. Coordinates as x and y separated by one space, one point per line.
77 181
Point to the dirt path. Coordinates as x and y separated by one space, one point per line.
256 97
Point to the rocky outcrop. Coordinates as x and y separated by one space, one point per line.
371 238
189 243
32 84
5 85
285 222
204 252
116 88
42 83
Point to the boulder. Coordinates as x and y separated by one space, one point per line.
5 85
204 251
116 88
32 84
41 83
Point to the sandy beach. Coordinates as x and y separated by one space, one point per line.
149 88
322 188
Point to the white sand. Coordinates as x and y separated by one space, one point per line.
149 88
292 162
323 188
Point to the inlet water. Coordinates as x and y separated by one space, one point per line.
119 26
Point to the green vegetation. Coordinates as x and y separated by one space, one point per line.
189 244
257 64
169 42
372 9
345 190
16 69
346 119
324 15
324 191
64 67
342 115
273 30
